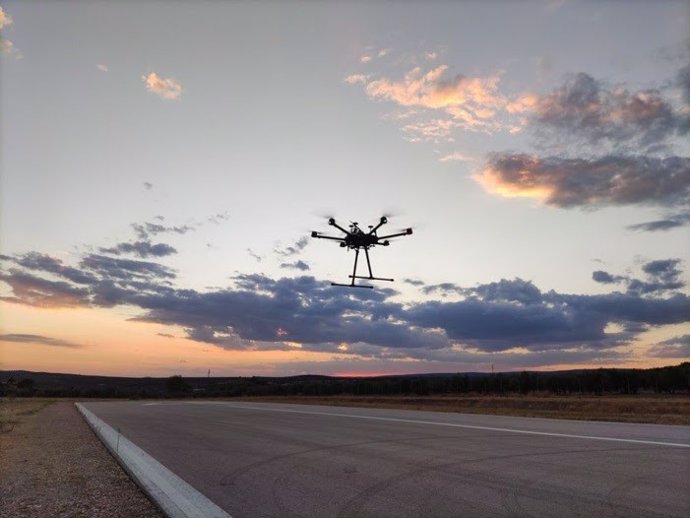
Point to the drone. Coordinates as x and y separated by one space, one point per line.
356 239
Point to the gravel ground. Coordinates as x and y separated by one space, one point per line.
53 465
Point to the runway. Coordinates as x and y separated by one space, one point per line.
263 459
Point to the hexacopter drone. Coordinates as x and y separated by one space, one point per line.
356 238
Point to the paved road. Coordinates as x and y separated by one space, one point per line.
260 459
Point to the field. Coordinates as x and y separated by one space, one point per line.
658 409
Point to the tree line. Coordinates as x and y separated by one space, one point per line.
670 380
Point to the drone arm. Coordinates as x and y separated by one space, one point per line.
334 224
382 222
319 236
405 232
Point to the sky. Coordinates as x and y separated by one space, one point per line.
163 163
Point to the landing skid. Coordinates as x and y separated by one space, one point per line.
370 278
352 285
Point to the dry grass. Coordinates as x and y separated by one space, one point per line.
15 411
659 409
52 464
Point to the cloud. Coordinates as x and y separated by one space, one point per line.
370 56
465 102
147 230
5 19
431 56
511 318
413 282
430 90
662 275
353 79
45 263
612 180
606 278
102 67
217 219
38 339
668 223
455 157
254 255
125 269
297 265
6 46
677 347
30 290
293 249
148 186
166 88
141 249
584 108
683 82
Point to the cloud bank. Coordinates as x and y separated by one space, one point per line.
511 318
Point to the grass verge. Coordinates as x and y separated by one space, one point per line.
658 409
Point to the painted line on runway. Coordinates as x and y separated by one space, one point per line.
440 423
174 496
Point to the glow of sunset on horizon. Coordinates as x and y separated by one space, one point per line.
158 191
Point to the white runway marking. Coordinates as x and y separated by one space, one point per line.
439 423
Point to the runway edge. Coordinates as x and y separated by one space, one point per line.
175 497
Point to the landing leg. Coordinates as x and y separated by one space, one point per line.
354 271
366 252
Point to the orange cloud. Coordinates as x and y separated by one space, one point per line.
167 88
522 182
429 91
5 19
356 78
606 181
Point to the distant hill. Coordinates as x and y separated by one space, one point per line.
591 381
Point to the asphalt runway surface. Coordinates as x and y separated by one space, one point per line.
265 459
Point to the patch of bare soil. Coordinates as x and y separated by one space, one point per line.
52 464
658 409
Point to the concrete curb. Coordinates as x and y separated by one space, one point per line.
174 496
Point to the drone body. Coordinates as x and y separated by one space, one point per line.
356 239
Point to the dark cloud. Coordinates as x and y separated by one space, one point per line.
677 347
254 255
293 249
606 278
297 265
262 313
128 269
585 108
31 290
683 82
217 219
413 282
606 181
148 186
662 276
141 249
37 339
146 230
668 223
444 288
45 263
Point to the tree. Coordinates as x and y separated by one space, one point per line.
176 385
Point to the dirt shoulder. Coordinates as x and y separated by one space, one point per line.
661 409
53 465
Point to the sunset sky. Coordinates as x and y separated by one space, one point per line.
163 163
